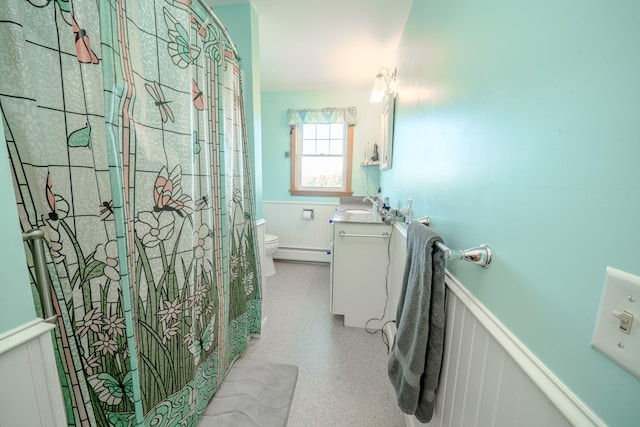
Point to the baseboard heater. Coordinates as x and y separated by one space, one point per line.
303 254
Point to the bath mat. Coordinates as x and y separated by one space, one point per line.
254 393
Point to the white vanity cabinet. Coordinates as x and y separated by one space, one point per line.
359 264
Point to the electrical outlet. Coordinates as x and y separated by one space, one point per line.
617 332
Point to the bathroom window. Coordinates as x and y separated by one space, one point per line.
321 156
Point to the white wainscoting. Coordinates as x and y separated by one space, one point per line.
488 377
30 392
300 239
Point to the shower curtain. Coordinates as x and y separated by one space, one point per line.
125 129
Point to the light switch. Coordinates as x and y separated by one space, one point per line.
617 335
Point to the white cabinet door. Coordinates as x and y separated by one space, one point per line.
359 272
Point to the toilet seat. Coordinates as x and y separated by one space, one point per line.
271 244
270 239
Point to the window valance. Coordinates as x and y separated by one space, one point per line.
323 115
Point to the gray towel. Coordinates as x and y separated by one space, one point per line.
416 355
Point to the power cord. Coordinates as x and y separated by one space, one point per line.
385 338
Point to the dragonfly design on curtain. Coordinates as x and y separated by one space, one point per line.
127 149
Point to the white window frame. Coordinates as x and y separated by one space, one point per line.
296 163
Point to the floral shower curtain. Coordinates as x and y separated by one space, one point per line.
125 130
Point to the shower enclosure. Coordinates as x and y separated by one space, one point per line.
125 130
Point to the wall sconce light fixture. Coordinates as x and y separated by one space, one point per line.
385 83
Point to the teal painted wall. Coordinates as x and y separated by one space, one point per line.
16 304
275 133
517 126
241 20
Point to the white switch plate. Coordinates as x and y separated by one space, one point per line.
621 292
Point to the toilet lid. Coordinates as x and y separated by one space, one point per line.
270 238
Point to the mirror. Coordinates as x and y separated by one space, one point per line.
386 131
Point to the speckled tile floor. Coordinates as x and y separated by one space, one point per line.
342 378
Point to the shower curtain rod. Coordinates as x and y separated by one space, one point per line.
221 25
480 255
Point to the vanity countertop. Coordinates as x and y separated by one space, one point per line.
368 218
353 209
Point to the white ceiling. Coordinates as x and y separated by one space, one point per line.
325 44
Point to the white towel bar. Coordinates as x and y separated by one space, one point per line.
377 236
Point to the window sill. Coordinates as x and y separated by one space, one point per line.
320 193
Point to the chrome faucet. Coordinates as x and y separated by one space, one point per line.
373 201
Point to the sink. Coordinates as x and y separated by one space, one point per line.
357 211
360 213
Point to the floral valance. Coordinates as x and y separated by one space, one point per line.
323 115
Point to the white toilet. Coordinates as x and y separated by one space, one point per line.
271 243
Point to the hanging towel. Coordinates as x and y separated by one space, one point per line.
416 355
